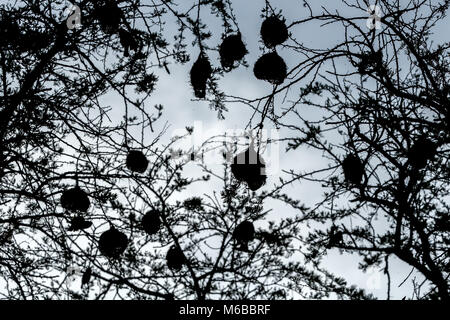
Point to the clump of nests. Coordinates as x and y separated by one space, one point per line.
232 50
270 67
200 73
249 167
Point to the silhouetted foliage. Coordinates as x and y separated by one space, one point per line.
381 95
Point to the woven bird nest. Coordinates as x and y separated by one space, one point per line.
270 67
243 234
200 73
9 31
112 243
274 31
109 15
151 222
136 161
421 152
249 167
353 169
231 50
175 258
75 199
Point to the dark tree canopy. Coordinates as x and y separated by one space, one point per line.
94 189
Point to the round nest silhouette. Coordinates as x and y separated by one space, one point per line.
244 232
231 50
9 31
75 199
422 150
353 169
249 167
175 258
200 73
109 15
136 161
112 243
274 31
270 67
151 223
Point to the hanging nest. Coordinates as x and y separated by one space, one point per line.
87 274
79 223
353 169
231 50
109 15
270 67
128 41
32 41
112 243
75 199
175 258
151 223
274 31
370 62
422 150
200 73
249 167
136 161
9 31
243 234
